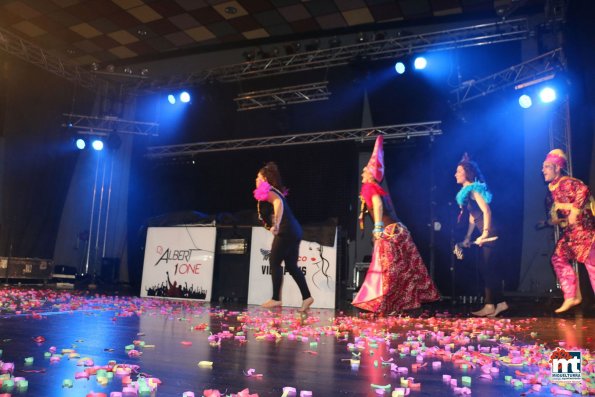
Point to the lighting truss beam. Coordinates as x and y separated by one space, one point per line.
430 128
560 131
489 33
31 53
540 67
108 124
283 96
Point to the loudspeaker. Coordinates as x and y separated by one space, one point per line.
232 266
110 270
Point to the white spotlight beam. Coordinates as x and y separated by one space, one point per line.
488 33
93 125
403 131
523 74
283 96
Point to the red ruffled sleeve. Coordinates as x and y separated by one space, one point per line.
369 190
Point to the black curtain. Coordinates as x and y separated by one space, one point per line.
38 156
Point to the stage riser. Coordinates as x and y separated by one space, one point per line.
26 268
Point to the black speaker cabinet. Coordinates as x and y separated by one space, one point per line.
110 270
232 264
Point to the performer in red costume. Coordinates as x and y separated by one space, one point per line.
397 278
572 209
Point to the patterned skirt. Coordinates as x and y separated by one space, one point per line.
397 278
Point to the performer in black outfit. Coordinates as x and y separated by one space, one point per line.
474 198
270 192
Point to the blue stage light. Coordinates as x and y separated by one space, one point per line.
525 101
80 143
400 67
420 63
185 97
547 95
171 99
97 144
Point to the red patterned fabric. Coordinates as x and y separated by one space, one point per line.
369 190
570 194
397 279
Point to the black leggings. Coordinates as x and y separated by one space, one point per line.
286 250
491 274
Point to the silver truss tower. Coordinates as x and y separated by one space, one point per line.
283 96
489 33
559 130
31 53
541 67
403 131
93 125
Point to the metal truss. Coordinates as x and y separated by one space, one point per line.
106 125
541 67
489 33
31 53
404 131
559 130
283 96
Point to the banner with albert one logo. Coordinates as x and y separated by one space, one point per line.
179 262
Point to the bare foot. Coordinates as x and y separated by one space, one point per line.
487 310
500 307
271 303
306 304
567 304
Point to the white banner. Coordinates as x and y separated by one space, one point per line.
179 262
316 261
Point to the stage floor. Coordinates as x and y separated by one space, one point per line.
64 344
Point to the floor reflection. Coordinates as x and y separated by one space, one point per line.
324 351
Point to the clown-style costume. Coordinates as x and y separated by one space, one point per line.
397 278
577 241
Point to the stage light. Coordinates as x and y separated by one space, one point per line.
185 97
249 55
313 45
334 42
80 143
525 101
400 67
420 63
97 144
547 95
171 99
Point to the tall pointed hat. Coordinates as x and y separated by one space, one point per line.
376 164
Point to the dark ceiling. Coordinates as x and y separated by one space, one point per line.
101 32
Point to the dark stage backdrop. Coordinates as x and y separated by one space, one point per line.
38 156
320 179
323 177
579 44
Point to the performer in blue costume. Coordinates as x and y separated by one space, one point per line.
475 198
